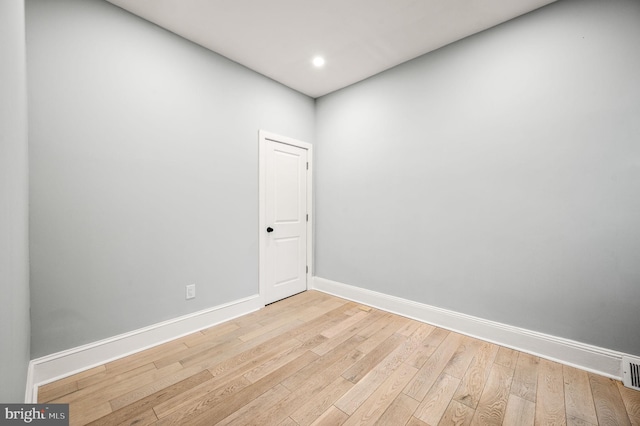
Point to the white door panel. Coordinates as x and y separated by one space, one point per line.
287 260
285 218
287 187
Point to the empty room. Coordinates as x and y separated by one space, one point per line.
338 212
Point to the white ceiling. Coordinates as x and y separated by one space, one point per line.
358 38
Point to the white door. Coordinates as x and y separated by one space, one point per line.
285 220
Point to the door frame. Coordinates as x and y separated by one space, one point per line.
263 137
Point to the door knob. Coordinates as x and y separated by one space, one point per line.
269 229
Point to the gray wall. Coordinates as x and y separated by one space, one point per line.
498 176
14 187
144 171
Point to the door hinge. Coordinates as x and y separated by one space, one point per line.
307 269
307 217
307 165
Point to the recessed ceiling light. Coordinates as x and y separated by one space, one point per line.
318 61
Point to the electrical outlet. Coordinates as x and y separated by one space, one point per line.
191 291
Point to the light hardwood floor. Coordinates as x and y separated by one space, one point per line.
317 359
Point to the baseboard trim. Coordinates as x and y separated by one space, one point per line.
576 354
71 361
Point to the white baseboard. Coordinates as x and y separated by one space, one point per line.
576 354
62 364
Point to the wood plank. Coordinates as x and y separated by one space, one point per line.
267 366
373 358
323 322
525 378
359 393
386 320
194 339
212 357
46 394
418 387
79 416
373 408
350 402
507 357
520 411
111 387
92 404
146 418
201 337
142 406
577 395
428 347
294 306
574 421
107 378
354 310
413 421
343 356
610 408
473 382
313 387
493 402
457 414
321 402
261 360
285 307
137 360
409 328
217 409
288 422
363 319
459 362
204 395
259 365
550 408
380 330
221 329
59 388
241 417
212 347
247 320
287 320
437 400
156 386
325 309
331 417
365 387
399 412
631 399
344 325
